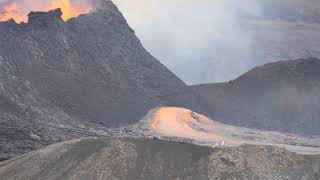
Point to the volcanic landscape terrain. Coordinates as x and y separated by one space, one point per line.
108 109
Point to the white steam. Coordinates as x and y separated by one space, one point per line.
217 40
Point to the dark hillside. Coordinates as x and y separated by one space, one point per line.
280 96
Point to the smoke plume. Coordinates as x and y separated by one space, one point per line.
218 40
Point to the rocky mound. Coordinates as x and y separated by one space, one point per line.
60 80
102 158
280 96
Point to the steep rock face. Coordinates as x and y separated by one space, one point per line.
104 158
280 96
87 73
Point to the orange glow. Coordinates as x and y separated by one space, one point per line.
11 12
180 122
183 123
67 9
19 13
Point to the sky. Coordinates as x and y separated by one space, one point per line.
204 41
189 36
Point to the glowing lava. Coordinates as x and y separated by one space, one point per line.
68 9
18 11
180 122
183 123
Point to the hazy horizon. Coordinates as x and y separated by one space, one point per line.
218 40
186 35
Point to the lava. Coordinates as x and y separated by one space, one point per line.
184 123
68 10
18 10
180 122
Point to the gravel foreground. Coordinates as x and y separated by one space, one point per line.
142 158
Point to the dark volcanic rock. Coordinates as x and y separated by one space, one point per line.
277 96
105 158
58 78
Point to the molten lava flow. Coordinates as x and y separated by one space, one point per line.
179 122
18 11
183 123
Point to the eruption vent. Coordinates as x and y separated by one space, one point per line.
19 9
